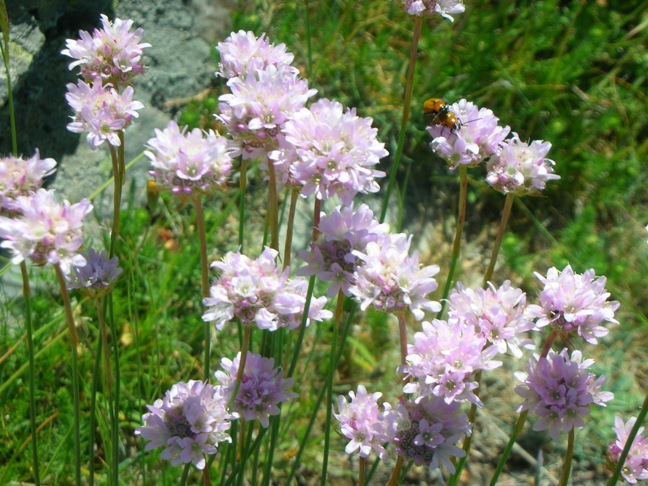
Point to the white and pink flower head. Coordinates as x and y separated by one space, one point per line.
189 163
46 231
635 467
521 168
558 390
327 150
243 53
101 111
189 423
477 138
112 54
21 177
574 303
434 7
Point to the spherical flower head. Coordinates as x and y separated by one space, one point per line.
574 303
496 313
391 280
559 391
101 111
432 7
189 423
259 106
45 231
331 257
262 387
189 163
19 177
330 151
112 54
521 168
97 277
243 53
477 139
255 292
444 359
427 431
635 467
363 423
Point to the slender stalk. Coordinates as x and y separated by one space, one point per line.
628 445
506 212
114 234
521 419
204 274
104 341
206 476
472 416
393 480
568 459
12 113
93 407
418 22
337 321
32 371
294 195
302 327
402 330
185 474
273 207
242 188
456 246
362 471
74 340
317 208
116 390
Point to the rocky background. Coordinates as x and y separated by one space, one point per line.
180 64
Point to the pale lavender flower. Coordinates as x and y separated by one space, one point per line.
477 139
189 162
331 257
521 168
189 423
363 423
432 7
259 106
101 111
427 431
391 280
574 302
45 231
559 391
263 387
243 53
97 277
635 467
496 313
444 359
329 150
112 54
21 177
255 292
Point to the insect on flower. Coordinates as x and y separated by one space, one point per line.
441 114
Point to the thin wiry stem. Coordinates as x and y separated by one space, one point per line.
204 274
506 212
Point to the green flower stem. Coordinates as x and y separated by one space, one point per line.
204 274
32 371
402 330
506 212
93 407
74 340
242 189
302 327
337 322
104 343
521 419
456 246
568 459
626 449
273 207
317 208
294 196
418 22
394 479
362 471
12 114
185 474
206 476
247 333
116 390
117 177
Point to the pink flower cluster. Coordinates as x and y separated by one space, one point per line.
262 387
45 231
255 292
20 177
188 423
188 163
635 467
559 391
434 7
574 303
112 54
